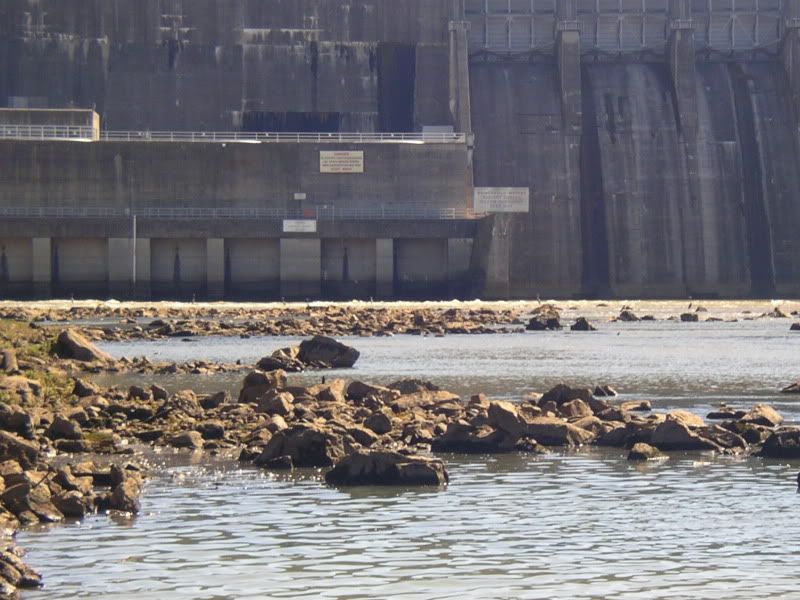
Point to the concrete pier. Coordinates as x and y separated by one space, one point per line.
301 268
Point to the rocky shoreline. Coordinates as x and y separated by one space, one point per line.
360 433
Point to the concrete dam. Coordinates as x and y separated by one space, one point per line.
341 148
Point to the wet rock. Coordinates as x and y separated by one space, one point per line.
627 316
73 504
66 480
582 324
505 417
308 446
13 447
26 493
563 393
725 413
763 414
284 359
690 318
64 429
544 323
674 434
784 444
795 327
550 431
794 388
387 468
213 401
637 406
642 452
188 439
28 578
149 435
605 391
71 344
280 463
575 409
125 496
325 352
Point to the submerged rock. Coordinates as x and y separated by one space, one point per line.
387 468
582 324
782 444
642 452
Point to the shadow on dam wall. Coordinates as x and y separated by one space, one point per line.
635 204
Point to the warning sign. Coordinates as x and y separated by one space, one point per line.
502 200
341 161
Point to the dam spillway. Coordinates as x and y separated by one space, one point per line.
657 139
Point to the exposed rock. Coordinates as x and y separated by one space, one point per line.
792 389
555 432
188 439
777 313
582 324
125 496
362 435
274 402
28 577
71 344
563 393
284 359
387 468
413 386
795 327
159 393
544 323
575 409
642 451
14 447
725 413
358 391
23 388
505 416
690 318
687 418
183 403
16 420
325 352
627 316
213 401
72 504
84 389
763 414
308 446
137 392
784 443
211 430
674 434
379 422
605 391
8 362
257 383
280 463
463 437
637 406
64 429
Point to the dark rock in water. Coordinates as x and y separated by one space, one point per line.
792 389
327 353
563 393
725 414
280 463
690 318
795 327
307 445
125 496
676 435
550 431
412 386
642 452
544 323
604 391
284 359
627 316
763 414
782 444
582 324
28 577
73 504
637 406
463 437
211 430
71 344
387 468
188 439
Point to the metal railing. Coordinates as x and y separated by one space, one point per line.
58 132
321 213
295 138
47 132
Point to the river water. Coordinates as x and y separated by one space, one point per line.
579 524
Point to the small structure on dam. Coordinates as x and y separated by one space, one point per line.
407 149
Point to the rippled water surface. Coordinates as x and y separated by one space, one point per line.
573 525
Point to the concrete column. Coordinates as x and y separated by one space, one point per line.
490 258
142 269
459 253
301 268
680 54
42 252
791 51
384 268
215 268
120 267
568 57
460 106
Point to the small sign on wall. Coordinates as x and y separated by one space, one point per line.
341 161
299 195
299 226
502 200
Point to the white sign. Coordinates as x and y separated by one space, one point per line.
502 200
299 195
299 226
341 161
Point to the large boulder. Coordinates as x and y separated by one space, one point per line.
562 393
674 434
325 352
582 324
643 452
463 437
16 420
258 383
784 444
387 468
71 344
283 359
14 447
763 414
307 445
505 417
551 431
